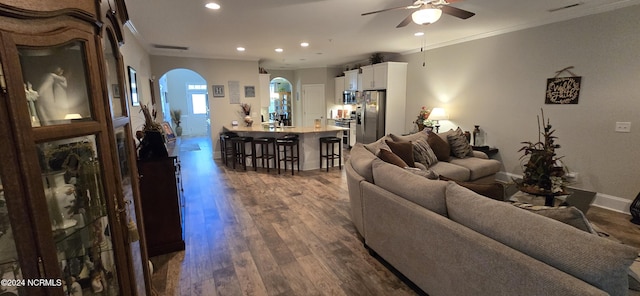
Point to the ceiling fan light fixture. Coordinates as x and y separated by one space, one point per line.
426 15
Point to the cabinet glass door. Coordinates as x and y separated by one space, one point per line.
9 266
72 181
55 83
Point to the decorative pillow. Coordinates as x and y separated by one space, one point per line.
460 147
423 154
429 174
439 146
391 158
567 215
404 150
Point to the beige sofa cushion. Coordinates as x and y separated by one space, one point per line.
598 261
478 167
422 191
377 145
451 171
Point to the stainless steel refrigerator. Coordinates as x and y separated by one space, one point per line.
370 116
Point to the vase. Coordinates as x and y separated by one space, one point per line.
248 120
178 130
152 146
478 136
420 126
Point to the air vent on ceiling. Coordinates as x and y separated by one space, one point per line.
565 7
160 46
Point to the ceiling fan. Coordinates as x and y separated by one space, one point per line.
428 11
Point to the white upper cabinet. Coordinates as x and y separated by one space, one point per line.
351 80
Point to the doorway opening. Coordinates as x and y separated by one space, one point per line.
280 103
185 91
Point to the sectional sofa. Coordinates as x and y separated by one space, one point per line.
449 240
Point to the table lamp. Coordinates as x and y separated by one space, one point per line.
438 114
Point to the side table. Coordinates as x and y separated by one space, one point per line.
489 151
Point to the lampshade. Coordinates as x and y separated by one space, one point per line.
438 114
426 16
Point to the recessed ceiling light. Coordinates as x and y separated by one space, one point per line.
279 50
418 34
304 44
212 5
240 48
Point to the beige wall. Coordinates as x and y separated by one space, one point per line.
134 55
499 83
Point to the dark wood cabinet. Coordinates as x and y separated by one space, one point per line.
162 205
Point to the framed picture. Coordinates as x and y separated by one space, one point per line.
115 88
133 85
153 92
563 90
218 91
250 91
168 132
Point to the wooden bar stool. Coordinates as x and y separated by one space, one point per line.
226 147
290 142
331 141
240 153
265 155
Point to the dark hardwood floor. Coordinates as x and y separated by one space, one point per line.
259 233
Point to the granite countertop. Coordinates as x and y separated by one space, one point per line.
287 129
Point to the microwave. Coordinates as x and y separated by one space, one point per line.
350 97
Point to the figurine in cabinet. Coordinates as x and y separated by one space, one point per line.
53 96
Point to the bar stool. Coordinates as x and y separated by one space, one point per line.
240 151
226 147
265 155
331 141
291 141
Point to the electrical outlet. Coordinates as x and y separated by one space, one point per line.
573 176
623 127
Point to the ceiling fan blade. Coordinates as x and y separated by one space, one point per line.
405 21
457 12
388 9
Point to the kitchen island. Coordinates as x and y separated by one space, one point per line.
308 137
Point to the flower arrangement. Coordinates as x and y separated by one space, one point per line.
246 108
176 114
543 170
423 117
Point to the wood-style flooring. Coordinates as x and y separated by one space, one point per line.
259 233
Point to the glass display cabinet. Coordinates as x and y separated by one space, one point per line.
69 214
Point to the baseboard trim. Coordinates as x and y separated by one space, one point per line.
605 201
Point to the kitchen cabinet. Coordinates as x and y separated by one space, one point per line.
374 77
339 90
392 78
67 192
351 80
265 93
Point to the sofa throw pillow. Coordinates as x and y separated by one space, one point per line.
567 215
423 153
460 147
404 150
391 158
439 146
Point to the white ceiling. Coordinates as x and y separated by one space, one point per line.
337 33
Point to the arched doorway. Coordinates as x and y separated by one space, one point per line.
185 91
281 101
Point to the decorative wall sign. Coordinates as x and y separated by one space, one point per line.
234 92
250 91
563 90
218 91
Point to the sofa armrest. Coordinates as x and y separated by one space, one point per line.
480 154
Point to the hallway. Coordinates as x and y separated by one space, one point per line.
253 233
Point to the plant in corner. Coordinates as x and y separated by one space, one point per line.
543 170
176 114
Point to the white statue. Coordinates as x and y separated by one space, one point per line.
32 97
53 103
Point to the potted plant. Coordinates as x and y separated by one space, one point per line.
376 58
176 114
543 170
423 118
151 141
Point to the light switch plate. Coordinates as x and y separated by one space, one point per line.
623 127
